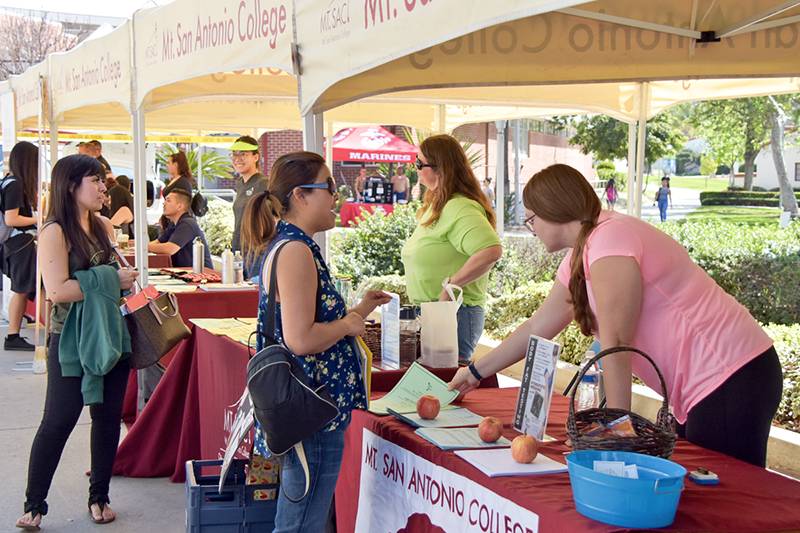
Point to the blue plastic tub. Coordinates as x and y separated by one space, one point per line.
650 501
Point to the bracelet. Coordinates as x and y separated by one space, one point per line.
474 371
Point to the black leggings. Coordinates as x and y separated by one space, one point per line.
736 418
62 407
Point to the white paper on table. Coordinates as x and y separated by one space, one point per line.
458 438
416 382
447 418
498 462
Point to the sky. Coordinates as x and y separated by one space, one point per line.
115 8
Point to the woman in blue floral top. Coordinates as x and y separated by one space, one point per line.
312 321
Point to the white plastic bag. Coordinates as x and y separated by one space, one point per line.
439 330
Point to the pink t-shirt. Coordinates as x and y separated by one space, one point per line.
697 334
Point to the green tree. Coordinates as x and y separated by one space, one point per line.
607 138
212 164
735 129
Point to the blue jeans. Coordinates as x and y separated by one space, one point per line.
324 454
470 327
662 209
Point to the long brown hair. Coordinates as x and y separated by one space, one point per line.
23 163
179 158
455 177
68 174
262 212
561 194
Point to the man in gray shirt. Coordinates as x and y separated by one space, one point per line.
244 155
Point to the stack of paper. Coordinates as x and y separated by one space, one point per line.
238 329
498 462
448 418
416 382
458 438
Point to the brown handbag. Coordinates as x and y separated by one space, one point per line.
155 328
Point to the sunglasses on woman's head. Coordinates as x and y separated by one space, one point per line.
420 165
328 184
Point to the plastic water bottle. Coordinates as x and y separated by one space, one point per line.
198 255
238 267
588 393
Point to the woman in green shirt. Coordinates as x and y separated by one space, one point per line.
455 240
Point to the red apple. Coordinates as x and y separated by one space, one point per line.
428 407
524 449
489 429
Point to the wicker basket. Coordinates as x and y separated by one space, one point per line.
656 439
409 343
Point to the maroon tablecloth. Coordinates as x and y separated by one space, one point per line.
153 261
748 499
179 423
199 304
351 211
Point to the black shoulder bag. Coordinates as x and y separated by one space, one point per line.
286 403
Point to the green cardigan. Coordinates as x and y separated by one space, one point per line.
95 336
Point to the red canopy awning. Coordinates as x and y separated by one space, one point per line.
371 144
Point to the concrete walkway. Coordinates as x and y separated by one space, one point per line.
684 201
151 505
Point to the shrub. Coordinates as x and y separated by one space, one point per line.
392 283
373 247
787 344
758 197
757 265
523 260
217 224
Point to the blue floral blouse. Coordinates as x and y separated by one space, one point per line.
338 367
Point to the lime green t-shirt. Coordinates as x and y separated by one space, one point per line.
435 252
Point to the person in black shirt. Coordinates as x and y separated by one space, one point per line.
180 175
121 209
178 237
19 251
244 155
96 151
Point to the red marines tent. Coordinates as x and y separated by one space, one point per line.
371 144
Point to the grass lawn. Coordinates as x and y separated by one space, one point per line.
744 215
697 183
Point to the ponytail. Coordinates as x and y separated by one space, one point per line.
259 223
577 282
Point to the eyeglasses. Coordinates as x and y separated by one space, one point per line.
241 155
529 223
420 165
328 185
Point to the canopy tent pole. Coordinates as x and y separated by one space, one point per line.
644 93
499 180
517 171
441 118
40 362
329 146
631 167
140 194
313 141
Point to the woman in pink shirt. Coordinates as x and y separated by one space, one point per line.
630 284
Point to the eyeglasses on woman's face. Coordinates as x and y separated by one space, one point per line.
529 223
420 165
328 185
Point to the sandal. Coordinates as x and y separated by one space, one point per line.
101 502
34 510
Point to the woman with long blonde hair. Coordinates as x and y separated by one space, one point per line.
630 284
455 240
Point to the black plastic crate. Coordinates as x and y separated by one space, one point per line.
232 511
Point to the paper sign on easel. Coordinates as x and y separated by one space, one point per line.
390 332
536 389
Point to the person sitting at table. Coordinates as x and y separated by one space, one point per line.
630 284
121 209
455 241
400 185
178 237
75 239
312 321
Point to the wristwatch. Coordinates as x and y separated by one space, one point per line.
474 371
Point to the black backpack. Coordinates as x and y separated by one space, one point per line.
199 205
5 230
286 403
